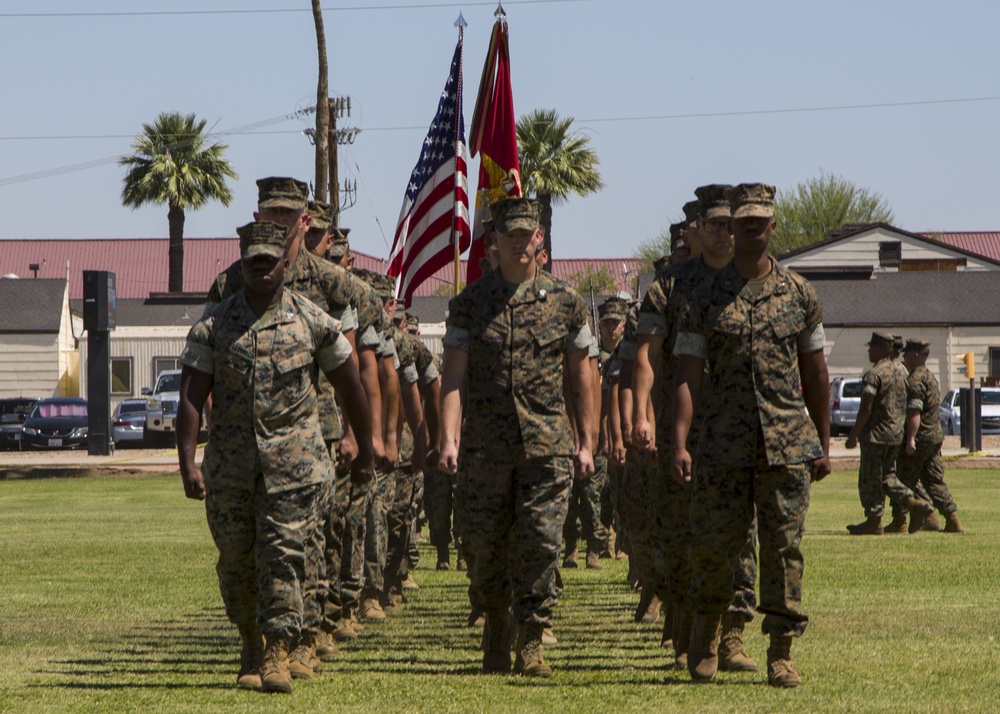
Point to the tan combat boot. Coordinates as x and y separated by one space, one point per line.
303 662
326 645
251 659
529 662
898 524
444 558
703 653
594 560
870 526
570 558
549 636
345 631
931 523
274 674
780 670
952 524
646 599
496 642
732 655
477 618
667 638
919 510
370 608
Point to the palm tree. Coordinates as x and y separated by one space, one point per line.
555 162
173 165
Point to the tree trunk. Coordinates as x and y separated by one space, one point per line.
545 222
322 106
175 219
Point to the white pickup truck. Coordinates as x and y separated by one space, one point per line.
161 410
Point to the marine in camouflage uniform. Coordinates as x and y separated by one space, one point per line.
508 336
920 459
659 321
266 467
879 428
758 328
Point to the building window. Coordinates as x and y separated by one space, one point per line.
890 253
995 361
121 375
162 363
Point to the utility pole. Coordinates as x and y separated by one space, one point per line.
321 135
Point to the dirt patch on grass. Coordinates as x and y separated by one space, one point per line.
9 473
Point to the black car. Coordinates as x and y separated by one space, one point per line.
56 423
13 412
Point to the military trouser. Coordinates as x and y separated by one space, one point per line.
439 501
261 539
637 511
877 478
723 500
672 544
513 513
612 515
335 534
416 507
316 587
923 472
376 531
352 549
399 518
584 515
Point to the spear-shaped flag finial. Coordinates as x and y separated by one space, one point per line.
460 22
500 13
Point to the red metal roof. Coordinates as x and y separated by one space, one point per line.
984 243
140 264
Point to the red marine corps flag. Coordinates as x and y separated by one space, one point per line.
494 136
433 224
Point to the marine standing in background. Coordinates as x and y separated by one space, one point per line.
879 428
920 458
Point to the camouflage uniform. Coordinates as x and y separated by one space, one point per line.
756 441
881 437
584 515
924 465
515 465
638 481
265 464
611 494
660 314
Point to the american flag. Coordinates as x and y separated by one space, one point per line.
436 207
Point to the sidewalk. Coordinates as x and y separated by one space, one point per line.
122 458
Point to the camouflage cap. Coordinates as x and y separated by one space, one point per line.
712 201
691 211
511 214
321 214
917 346
677 231
383 285
262 238
281 192
613 308
897 342
339 246
399 314
751 200
412 322
880 339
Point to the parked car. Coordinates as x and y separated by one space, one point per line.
845 400
128 422
13 412
56 423
161 409
951 412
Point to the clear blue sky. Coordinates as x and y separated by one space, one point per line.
607 63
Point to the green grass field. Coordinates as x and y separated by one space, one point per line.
109 604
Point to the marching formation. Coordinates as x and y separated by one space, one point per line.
683 430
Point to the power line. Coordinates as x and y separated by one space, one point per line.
250 129
357 8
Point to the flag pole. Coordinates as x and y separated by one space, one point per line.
460 23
